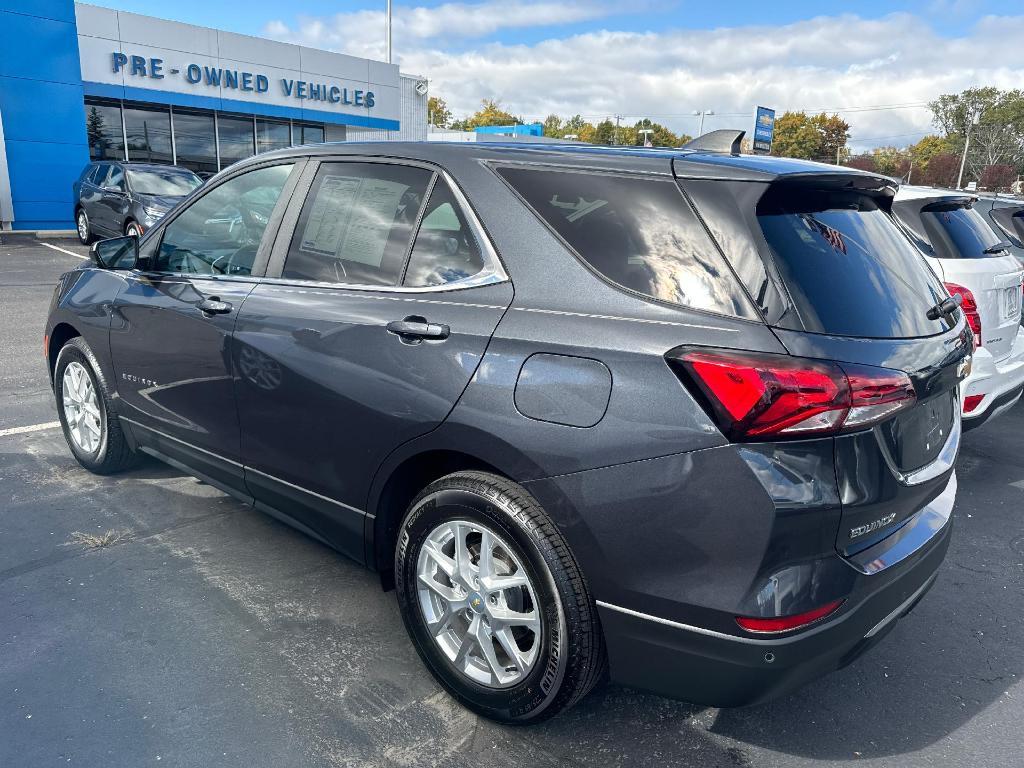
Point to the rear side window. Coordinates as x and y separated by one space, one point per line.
849 270
445 250
639 233
959 232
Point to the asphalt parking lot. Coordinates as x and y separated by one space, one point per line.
148 619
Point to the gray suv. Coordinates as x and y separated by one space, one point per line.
113 198
684 417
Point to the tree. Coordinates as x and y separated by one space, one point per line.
927 148
490 113
865 162
998 136
604 132
438 113
997 178
890 161
95 130
660 136
942 170
815 137
553 127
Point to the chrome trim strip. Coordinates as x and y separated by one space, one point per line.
187 444
244 468
900 608
700 630
942 463
311 493
629 319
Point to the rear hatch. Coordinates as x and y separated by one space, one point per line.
858 292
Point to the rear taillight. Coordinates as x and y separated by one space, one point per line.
756 396
787 623
970 309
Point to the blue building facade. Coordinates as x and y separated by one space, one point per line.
42 110
81 82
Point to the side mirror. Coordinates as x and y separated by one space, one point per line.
116 253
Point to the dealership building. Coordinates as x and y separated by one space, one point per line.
79 81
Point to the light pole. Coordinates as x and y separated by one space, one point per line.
388 33
702 113
975 119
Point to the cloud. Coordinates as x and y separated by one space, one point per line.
828 62
447 22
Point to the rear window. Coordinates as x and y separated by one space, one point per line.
959 232
639 233
849 270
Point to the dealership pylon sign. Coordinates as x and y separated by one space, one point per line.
764 130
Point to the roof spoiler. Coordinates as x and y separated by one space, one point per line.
725 140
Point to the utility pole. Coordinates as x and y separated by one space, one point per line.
975 119
615 140
388 34
702 113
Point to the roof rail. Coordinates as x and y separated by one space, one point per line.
725 140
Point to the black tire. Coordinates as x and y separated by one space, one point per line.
80 214
112 453
571 658
133 229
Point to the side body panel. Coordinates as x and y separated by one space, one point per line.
325 392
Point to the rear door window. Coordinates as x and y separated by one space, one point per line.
959 232
357 223
848 268
637 232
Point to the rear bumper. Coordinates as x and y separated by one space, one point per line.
720 669
1001 382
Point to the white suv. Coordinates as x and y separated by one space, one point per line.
974 262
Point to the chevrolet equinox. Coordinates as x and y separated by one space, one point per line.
686 418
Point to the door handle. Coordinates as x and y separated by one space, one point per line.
414 329
212 305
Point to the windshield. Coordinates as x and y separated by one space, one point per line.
958 232
169 183
849 270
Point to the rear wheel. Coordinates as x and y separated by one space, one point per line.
83 404
494 600
83 226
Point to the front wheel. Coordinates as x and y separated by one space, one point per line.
494 601
133 230
83 227
83 403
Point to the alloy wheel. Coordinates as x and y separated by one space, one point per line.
81 408
478 603
83 226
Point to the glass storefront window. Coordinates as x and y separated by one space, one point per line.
149 135
195 141
311 134
271 134
103 128
236 139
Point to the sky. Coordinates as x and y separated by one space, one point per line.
875 63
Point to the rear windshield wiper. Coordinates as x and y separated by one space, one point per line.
945 308
1002 245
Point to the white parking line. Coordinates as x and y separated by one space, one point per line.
64 250
30 428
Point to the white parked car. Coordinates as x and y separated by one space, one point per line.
974 262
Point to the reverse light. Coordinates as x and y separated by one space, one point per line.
755 396
970 309
971 403
787 623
